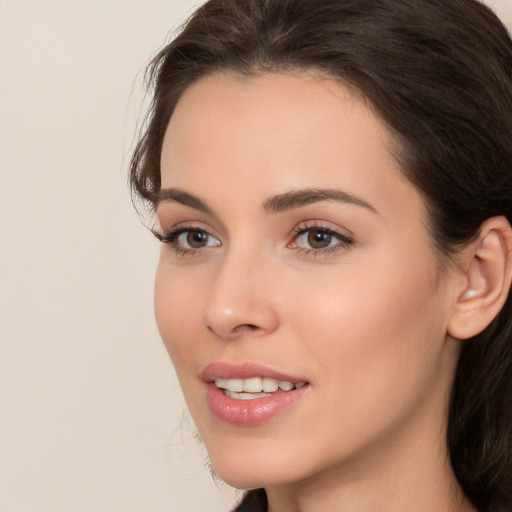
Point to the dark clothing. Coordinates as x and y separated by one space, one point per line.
253 501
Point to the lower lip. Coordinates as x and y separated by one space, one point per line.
250 412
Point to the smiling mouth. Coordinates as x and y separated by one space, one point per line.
255 387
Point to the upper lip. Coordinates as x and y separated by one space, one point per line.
225 370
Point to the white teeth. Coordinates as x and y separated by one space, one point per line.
231 384
256 385
285 385
245 396
270 385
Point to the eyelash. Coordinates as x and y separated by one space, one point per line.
172 236
344 241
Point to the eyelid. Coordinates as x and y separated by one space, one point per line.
165 232
345 240
171 237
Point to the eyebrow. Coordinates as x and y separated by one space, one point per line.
276 204
296 199
177 195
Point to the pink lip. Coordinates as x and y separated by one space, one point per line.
248 412
223 370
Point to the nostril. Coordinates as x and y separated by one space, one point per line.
237 331
246 327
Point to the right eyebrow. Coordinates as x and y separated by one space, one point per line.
177 195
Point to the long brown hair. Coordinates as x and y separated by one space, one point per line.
439 72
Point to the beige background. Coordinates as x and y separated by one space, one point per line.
91 416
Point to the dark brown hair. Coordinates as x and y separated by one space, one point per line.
439 72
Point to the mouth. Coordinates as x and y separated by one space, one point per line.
249 394
255 387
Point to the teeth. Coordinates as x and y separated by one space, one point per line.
231 384
270 385
256 385
245 396
285 385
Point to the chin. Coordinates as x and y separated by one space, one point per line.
254 467
242 482
250 478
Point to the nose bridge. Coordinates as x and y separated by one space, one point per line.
240 298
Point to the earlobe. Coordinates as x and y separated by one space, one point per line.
488 274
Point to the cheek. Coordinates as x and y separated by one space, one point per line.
373 325
178 313
374 342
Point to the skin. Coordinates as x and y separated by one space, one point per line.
365 323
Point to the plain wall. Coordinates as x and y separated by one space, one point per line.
91 415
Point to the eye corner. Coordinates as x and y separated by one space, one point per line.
159 236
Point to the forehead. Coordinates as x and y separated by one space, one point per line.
272 105
271 133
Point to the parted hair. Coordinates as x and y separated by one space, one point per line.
439 73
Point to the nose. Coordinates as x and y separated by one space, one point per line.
241 302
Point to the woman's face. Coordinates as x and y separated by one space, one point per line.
298 257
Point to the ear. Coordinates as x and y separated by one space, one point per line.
487 276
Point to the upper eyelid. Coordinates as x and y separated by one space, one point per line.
168 219
332 232
178 230
324 225
342 238
196 225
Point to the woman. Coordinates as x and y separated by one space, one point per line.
332 183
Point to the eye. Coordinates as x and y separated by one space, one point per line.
195 239
316 239
188 239
319 240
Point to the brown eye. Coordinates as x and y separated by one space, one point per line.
318 239
189 240
196 239
192 240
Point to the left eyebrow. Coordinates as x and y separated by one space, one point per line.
298 198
